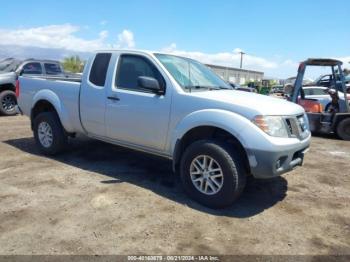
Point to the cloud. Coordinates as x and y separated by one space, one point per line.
237 50
51 36
63 37
170 48
345 60
126 40
225 58
103 22
103 34
276 66
290 63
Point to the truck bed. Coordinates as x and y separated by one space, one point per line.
63 93
66 79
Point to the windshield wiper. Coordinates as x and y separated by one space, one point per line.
190 87
226 88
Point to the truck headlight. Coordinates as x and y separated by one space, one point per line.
272 125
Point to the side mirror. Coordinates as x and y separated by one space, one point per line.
151 84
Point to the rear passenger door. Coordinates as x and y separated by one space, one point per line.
93 95
133 115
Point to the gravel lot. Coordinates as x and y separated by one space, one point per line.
102 199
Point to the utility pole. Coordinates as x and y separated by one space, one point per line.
242 53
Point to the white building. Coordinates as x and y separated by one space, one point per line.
236 75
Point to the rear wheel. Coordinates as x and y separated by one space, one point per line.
343 129
49 133
212 173
8 103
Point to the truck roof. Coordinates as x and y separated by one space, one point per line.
41 60
138 51
322 62
126 50
29 59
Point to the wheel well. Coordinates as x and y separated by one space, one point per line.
41 106
208 132
10 87
340 118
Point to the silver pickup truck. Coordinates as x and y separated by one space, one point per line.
174 107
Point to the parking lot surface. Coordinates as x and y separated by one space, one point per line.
102 199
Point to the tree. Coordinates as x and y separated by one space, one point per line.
73 64
254 83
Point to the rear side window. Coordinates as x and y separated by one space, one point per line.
131 67
99 69
52 69
319 92
32 69
308 92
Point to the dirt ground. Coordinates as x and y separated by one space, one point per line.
103 199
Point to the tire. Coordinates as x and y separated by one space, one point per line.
49 121
343 129
233 173
8 101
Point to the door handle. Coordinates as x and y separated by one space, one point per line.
113 98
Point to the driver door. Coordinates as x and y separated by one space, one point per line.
133 115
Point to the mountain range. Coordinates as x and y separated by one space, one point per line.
23 52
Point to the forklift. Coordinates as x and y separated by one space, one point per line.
335 118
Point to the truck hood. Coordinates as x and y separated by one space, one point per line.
249 104
7 74
7 78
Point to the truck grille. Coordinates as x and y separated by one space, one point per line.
297 126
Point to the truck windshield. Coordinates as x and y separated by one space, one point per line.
9 65
191 75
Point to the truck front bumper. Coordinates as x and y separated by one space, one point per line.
268 164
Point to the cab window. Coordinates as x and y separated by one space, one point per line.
130 67
32 69
52 69
99 69
319 92
308 92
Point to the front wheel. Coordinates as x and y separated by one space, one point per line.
49 133
8 103
212 173
343 129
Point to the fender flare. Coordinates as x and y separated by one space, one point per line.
7 86
53 99
231 122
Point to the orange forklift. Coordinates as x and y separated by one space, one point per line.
335 118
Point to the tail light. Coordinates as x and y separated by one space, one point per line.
311 106
17 88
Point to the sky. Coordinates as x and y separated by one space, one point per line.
275 35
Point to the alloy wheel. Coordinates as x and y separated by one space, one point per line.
45 134
206 175
8 103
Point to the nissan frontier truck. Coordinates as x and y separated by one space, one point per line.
173 107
